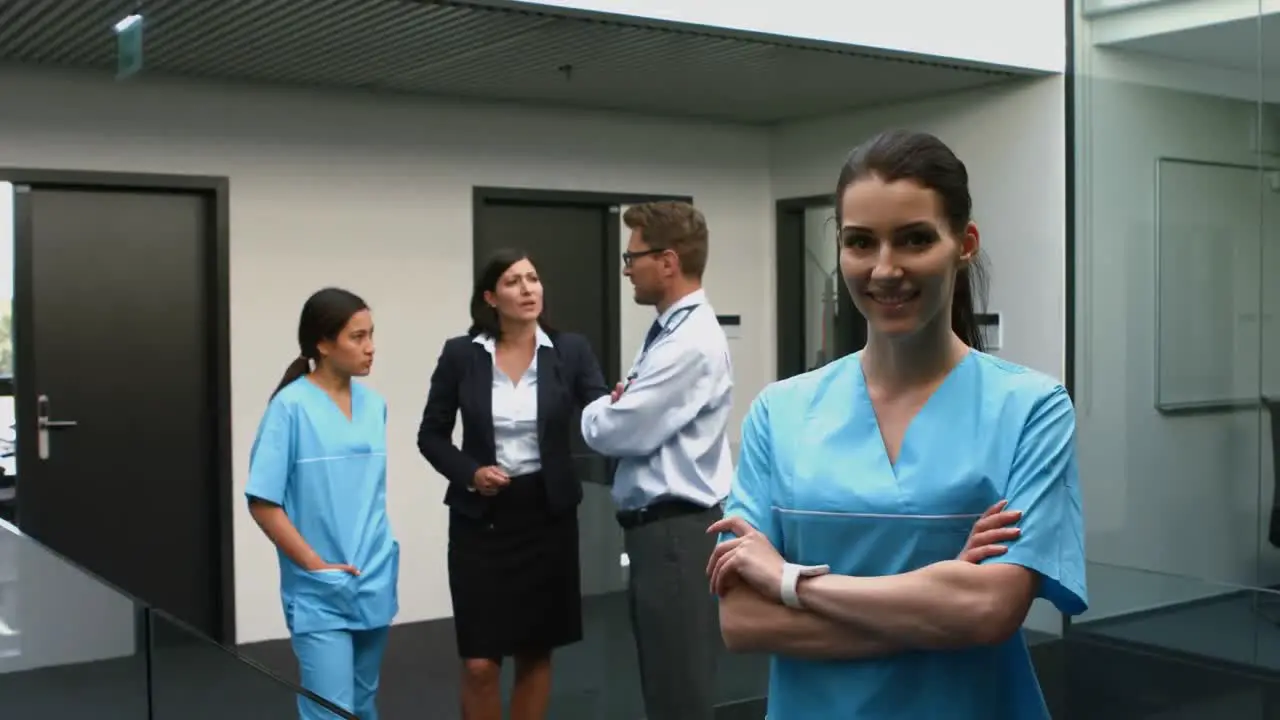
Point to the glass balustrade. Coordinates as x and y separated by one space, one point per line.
72 647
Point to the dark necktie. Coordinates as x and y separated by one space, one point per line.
654 331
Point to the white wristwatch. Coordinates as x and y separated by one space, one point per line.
791 574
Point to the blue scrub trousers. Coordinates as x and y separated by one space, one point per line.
341 666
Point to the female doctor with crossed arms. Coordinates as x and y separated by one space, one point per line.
317 488
857 482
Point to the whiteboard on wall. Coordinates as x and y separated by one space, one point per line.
1216 232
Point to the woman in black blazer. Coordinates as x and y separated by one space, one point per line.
513 497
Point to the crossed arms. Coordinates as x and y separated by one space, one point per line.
980 598
945 605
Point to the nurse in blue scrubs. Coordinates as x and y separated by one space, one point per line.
317 488
858 483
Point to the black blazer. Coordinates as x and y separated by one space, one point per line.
569 378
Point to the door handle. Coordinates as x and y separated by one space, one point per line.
44 425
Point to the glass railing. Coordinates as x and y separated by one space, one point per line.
72 647
1216 621
1157 645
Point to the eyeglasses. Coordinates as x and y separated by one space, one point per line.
630 257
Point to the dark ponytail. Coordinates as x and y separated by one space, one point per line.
970 295
298 368
324 315
896 155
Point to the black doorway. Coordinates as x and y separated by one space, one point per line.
795 292
121 331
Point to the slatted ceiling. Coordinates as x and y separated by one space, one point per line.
327 44
460 50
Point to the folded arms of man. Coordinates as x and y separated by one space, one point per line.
674 386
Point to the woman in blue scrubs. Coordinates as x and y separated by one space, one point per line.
858 482
317 488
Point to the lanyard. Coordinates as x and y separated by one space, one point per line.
673 323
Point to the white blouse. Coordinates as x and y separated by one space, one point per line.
515 413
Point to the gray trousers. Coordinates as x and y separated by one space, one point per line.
674 616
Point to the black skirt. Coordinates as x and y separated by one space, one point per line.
514 576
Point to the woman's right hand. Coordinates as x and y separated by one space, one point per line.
489 480
335 566
996 526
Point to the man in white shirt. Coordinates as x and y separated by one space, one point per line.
666 424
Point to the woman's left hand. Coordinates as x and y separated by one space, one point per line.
750 556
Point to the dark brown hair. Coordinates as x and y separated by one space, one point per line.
675 226
324 315
896 155
484 318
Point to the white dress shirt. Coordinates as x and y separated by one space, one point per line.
515 412
669 427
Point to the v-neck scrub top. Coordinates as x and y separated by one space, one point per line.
329 473
814 476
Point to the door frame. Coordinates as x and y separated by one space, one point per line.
482 196
217 325
789 282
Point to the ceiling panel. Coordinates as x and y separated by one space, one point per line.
460 50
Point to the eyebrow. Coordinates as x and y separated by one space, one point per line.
918 225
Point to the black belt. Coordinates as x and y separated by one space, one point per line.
661 510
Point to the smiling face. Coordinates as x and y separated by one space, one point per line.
517 296
898 256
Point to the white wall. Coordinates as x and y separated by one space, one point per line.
1012 139
1149 478
1027 34
375 194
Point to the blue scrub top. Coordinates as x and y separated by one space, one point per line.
815 478
330 476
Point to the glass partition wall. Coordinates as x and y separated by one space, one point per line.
1177 341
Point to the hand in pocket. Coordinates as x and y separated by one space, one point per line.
330 567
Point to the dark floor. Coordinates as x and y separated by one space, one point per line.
1202 661
597 678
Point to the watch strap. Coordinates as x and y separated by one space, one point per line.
791 574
